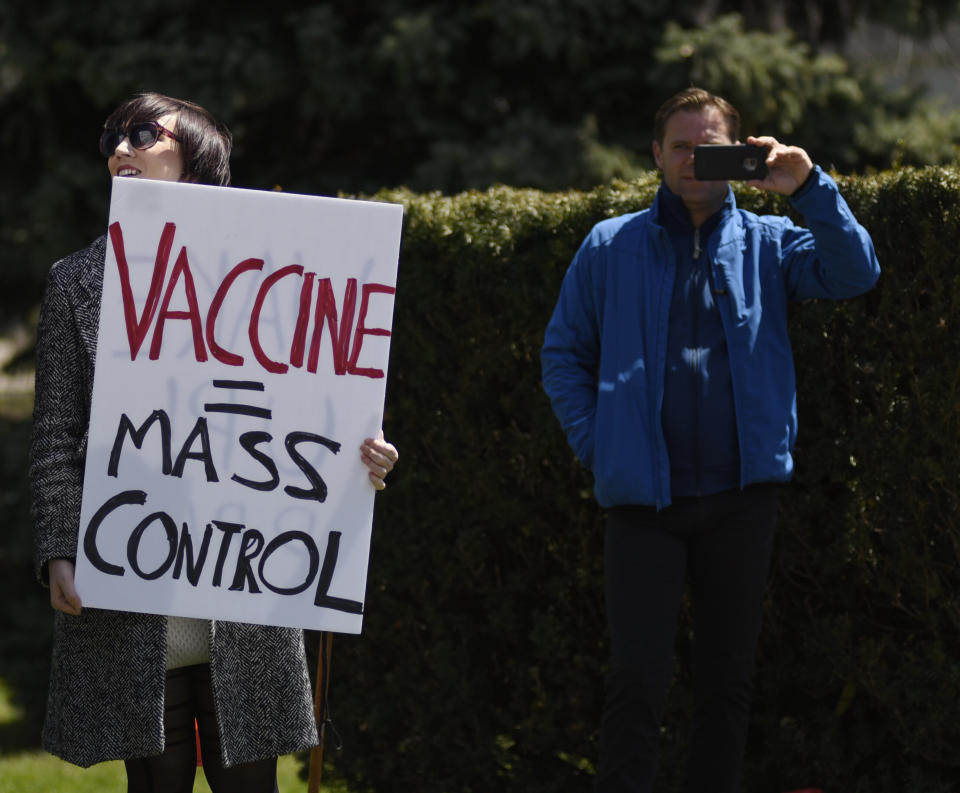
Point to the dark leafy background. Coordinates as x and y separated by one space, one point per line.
481 659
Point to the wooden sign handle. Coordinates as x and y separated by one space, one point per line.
320 709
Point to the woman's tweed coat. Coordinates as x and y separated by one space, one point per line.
107 676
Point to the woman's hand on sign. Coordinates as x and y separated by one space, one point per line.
63 594
380 457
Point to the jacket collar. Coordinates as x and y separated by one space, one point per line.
91 274
669 211
90 282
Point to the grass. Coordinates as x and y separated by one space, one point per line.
24 768
26 772
36 771
9 712
39 771
16 370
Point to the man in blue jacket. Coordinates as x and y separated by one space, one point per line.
668 364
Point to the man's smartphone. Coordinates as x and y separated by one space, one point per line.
724 162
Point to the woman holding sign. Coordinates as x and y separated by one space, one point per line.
129 685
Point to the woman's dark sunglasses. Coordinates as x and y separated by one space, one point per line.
142 135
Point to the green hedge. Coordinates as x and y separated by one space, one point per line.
481 660
484 645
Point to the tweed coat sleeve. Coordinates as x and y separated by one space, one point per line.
66 345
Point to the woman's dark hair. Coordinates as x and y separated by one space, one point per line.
205 143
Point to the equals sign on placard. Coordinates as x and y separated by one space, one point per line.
238 408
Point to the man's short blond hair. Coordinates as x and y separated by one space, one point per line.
693 100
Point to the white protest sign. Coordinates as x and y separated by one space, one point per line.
242 357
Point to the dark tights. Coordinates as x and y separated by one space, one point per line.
189 696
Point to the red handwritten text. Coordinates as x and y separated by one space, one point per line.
345 323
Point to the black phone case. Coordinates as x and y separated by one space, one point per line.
726 162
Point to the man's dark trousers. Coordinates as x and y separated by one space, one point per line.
722 545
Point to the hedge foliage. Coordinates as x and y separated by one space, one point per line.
484 645
353 96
